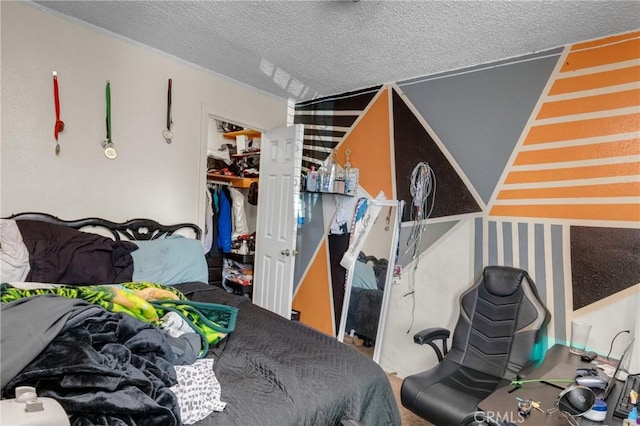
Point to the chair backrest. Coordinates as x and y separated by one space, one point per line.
501 319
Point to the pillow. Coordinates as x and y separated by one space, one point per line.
59 254
364 276
14 256
172 260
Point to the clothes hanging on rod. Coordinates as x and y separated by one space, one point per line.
222 220
240 226
214 251
208 223
225 221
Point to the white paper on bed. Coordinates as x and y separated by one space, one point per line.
198 391
14 256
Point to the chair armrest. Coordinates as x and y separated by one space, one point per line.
428 335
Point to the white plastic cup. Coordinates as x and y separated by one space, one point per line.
579 337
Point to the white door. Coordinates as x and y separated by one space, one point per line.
278 192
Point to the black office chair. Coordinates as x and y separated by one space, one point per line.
501 319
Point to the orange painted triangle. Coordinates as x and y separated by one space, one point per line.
313 298
370 145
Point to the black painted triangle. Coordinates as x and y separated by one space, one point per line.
414 144
604 261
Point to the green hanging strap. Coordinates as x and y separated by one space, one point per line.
108 92
107 144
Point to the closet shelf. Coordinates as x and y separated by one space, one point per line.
235 181
242 258
247 133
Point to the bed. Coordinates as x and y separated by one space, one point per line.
265 370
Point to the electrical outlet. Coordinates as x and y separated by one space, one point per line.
397 275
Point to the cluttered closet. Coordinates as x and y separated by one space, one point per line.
230 217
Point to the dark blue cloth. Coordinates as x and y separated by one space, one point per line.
225 227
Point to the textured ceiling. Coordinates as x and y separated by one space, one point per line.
306 49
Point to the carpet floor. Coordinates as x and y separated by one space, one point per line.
408 418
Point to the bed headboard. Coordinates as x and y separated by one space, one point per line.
134 229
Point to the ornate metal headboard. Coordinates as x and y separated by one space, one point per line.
134 229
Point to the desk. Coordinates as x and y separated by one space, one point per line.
503 403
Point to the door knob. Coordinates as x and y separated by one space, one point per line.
288 252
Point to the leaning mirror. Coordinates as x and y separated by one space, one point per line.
369 261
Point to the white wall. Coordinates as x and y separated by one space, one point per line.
609 316
444 271
150 178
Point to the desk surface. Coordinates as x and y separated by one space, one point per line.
503 403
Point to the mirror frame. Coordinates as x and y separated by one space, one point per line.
392 258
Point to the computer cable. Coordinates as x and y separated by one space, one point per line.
423 187
614 339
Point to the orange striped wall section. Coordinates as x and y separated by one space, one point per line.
580 157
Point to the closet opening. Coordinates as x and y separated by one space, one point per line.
230 217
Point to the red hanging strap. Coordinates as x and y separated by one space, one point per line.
59 127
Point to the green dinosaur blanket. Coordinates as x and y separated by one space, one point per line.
148 302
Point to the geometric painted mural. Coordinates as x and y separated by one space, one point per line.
538 249
369 142
310 234
580 158
603 262
313 297
479 113
414 144
542 152
326 121
358 121
431 234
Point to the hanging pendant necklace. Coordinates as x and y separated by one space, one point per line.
168 134
107 144
59 126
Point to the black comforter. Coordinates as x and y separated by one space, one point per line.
278 372
103 368
111 369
